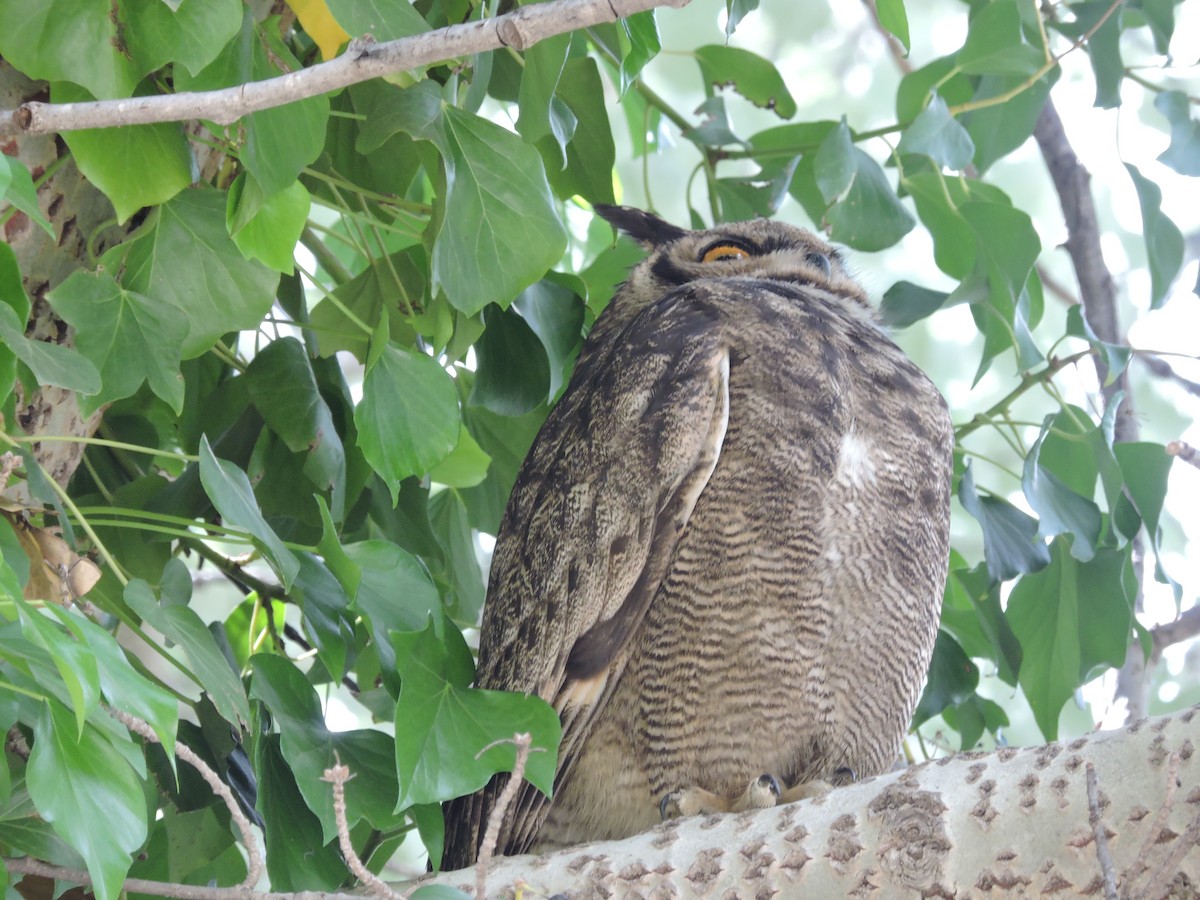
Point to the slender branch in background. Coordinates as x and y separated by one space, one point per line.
1162 369
1185 627
362 61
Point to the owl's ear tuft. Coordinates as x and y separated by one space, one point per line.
645 228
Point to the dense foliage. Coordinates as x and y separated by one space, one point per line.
332 435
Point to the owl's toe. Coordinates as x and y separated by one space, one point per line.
763 793
843 775
668 806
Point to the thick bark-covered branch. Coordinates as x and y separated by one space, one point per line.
363 60
1010 823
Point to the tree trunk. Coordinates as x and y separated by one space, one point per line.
1010 823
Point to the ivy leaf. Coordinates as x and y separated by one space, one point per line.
735 11
283 388
591 153
79 779
1164 240
310 748
538 116
905 303
1183 155
1060 509
1002 127
938 135
408 420
384 21
513 372
448 722
106 48
500 232
267 228
185 258
1070 617
639 43
866 213
229 490
753 77
555 315
51 363
181 625
893 17
129 337
16 187
995 44
135 166
1103 47
1010 539
952 679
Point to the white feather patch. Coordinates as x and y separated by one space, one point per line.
855 465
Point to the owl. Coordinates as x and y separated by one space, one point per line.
723 560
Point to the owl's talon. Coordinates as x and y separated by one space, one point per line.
844 775
668 806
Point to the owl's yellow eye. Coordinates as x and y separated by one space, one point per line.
719 252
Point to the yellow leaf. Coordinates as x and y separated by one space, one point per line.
320 25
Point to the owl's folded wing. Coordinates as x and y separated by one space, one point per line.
591 529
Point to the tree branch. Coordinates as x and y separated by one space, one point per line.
1184 627
362 61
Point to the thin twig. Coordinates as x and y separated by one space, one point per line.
492 835
1100 833
28 866
362 61
1185 452
219 787
1184 627
338 775
1162 369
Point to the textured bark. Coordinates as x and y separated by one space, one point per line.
1009 823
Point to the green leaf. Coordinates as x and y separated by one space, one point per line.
185 258
181 625
905 303
135 166
108 48
1060 509
1146 468
408 420
866 213
51 363
513 372
591 153
639 44
310 748
1069 617
296 857
449 521
283 388
382 20
326 608
893 17
394 593
1183 155
1164 240
735 11
972 614
448 723
229 490
466 466
267 228
543 66
952 679
995 44
753 77
999 129
938 135
555 314
75 664
16 186
76 781
1010 539
129 337
1103 47
500 232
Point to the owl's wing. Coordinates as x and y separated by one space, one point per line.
591 528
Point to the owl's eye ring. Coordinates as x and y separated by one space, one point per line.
723 250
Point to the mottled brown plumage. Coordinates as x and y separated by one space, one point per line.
725 553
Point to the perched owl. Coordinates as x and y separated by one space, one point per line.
723 560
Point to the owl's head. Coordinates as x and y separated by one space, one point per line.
761 248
